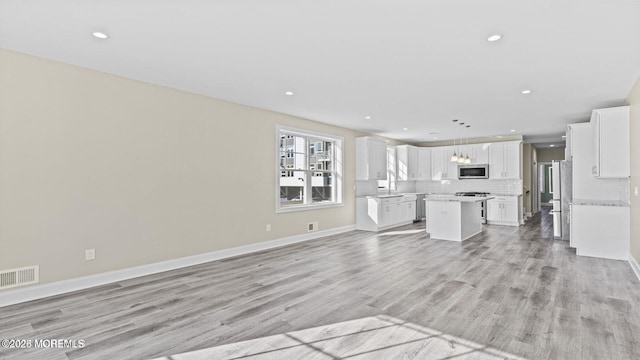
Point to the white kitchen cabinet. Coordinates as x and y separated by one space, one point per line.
424 164
505 160
584 184
371 159
611 142
409 210
441 166
407 158
405 212
390 214
568 149
505 210
600 231
380 213
480 153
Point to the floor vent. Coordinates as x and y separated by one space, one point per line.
19 277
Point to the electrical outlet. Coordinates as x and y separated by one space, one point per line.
312 226
90 254
268 227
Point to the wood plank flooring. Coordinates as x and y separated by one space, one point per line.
514 292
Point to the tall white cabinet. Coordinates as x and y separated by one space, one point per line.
611 142
505 160
371 158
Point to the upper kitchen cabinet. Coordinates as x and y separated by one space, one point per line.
441 166
371 158
477 153
424 164
480 153
408 162
505 160
568 149
611 142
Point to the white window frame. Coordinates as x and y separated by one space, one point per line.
338 170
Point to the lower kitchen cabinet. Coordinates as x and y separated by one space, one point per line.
381 213
600 231
505 210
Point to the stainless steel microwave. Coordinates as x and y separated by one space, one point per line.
475 171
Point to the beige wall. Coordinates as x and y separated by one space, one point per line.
527 157
634 101
139 172
550 154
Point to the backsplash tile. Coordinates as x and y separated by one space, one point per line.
366 187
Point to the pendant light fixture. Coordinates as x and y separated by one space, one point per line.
460 157
467 159
454 157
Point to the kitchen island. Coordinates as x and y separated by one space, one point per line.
454 218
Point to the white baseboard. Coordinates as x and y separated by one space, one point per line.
635 266
60 287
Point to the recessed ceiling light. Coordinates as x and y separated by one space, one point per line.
405 129
494 37
551 145
435 138
513 130
367 117
526 92
100 35
288 93
564 136
498 136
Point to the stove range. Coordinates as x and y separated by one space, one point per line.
472 193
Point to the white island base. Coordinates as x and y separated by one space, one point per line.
453 220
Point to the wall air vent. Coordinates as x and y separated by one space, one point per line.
19 277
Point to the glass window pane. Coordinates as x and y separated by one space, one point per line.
292 152
320 154
292 188
322 187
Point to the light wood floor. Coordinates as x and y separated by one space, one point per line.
508 291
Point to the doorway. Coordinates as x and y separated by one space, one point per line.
545 194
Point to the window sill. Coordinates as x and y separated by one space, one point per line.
308 207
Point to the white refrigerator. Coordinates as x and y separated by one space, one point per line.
561 189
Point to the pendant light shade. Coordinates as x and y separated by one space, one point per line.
454 157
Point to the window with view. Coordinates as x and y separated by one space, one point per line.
309 169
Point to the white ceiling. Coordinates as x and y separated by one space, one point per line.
407 64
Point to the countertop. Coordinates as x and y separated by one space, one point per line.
457 198
587 202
